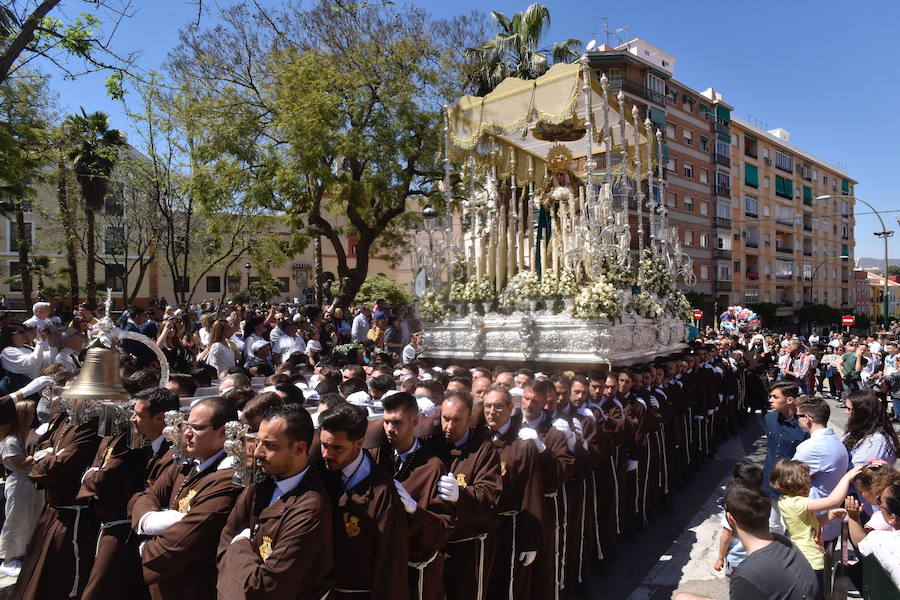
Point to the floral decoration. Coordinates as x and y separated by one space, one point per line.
433 306
597 300
523 286
479 290
616 274
679 306
657 278
645 305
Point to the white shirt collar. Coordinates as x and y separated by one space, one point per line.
206 463
350 469
156 444
462 442
289 483
534 424
413 448
819 432
503 429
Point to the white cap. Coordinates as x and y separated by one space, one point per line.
359 398
540 375
516 391
426 407
257 345
389 393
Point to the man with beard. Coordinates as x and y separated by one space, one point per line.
116 475
517 541
556 444
636 417
183 512
417 473
61 550
369 522
277 542
473 486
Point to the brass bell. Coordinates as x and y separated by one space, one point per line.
99 378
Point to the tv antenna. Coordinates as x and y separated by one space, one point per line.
613 32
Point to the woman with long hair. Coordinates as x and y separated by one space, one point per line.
180 359
218 355
24 501
870 435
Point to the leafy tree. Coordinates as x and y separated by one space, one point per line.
95 153
379 287
516 50
766 311
259 291
893 269
818 313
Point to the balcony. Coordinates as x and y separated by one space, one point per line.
784 277
721 127
721 253
750 213
751 244
807 227
722 286
721 159
785 249
620 83
751 275
808 201
788 221
845 280
807 253
750 153
785 169
722 222
721 191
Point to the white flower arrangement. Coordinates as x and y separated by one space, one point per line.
616 274
433 306
646 306
597 300
567 287
523 286
458 291
561 284
479 290
679 306
549 284
656 274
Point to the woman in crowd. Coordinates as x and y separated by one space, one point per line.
871 482
884 543
206 323
24 501
170 342
869 433
254 330
219 355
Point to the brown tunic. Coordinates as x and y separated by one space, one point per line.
370 533
57 565
116 474
432 523
290 552
520 510
181 561
476 465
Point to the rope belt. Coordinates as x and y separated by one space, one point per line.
420 567
581 539
108 525
480 537
612 462
596 514
561 559
74 592
512 557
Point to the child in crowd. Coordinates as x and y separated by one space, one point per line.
24 501
871 482
804 527
731 551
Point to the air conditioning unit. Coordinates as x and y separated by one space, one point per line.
768 161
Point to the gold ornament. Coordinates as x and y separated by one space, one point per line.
184 505
559 159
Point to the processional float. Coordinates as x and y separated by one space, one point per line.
553 243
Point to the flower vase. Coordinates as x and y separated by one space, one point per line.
473 308
485 307
567 302
533 304
459 308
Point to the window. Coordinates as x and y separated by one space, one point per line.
704 272
115 277
783 161
656 85
614 72
845 231
670 131
213 283
688 137
688 171
15 284
723 179
807 269
704 240
722 147
671 200
724 272
845 209
688 237
114 239
766 182
723 242
765 210
784 268
704 175
784 187
688 204
113 202
751 295
704 209
182 284
750 146
704 144
14 238
723 210
751 175
751 205
670 165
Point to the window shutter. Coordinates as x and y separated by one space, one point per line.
751 175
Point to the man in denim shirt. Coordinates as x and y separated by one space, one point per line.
783 435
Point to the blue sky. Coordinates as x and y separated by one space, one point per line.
826 71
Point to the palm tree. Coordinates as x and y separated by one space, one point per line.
516 50
95 153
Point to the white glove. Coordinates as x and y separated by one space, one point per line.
155 522
42 453
244 534
88 471
562 425
526 558
529 434
34 386
448 488
579 428
408 503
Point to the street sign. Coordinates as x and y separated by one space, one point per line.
848 320
698 314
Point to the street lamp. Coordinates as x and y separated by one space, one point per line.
884 234
812 278
248 267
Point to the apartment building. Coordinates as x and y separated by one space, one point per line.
743 200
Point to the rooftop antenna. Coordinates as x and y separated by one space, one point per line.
613 32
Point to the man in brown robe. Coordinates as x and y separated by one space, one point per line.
517 540
185 510
473 485
417 472
369 522
116 475
277 543
609 481
556 443
61 550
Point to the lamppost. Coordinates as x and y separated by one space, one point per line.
812 278
883 234
248 267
